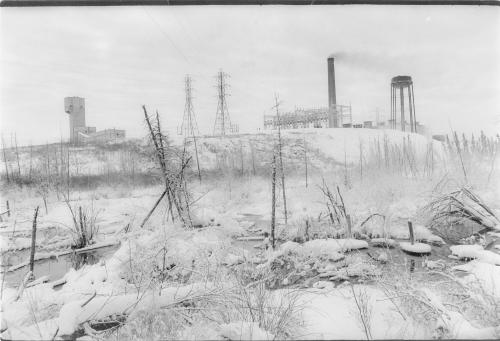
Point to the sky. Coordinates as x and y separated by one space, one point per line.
119 58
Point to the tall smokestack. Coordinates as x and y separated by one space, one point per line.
332 96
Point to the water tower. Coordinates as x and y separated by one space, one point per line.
400 83
75 107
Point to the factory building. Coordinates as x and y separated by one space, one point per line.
334 116
78 131
340 116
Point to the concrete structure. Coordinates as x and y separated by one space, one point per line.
332 94
401 83
75 108
334 116
103 136
78 131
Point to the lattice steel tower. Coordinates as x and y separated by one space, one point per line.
400 83
189 126
223 124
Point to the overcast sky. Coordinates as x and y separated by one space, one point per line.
119 58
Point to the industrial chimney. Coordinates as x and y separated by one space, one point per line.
332 97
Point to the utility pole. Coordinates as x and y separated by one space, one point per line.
189 127
222 124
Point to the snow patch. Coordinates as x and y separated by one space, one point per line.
475 252
417 248
244 331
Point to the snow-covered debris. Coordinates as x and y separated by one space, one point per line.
416 248
232 259
383 242
433 264
244 331
73 314
475 252
465 251
422 234
331 247
382 257
250 238
431 239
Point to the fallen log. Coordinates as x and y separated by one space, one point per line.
73 315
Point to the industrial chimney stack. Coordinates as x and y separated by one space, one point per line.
332 97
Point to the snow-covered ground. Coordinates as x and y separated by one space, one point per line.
222 280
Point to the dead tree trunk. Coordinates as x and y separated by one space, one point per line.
172 187
412 235
349 226
361 160
5 161
241 155
273 207
68 174
33 241
253 158
305 157
31 162
17 156
280 154
154 207
48 162
82 228
197 160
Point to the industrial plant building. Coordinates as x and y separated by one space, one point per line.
78 131
340 116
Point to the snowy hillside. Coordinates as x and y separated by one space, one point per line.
322 147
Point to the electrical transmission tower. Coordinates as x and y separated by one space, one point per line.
189 126
223 124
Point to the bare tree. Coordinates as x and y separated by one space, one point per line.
17 156
280 155
273 207
5 160
305 157
175 188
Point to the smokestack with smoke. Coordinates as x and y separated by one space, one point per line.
332 96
